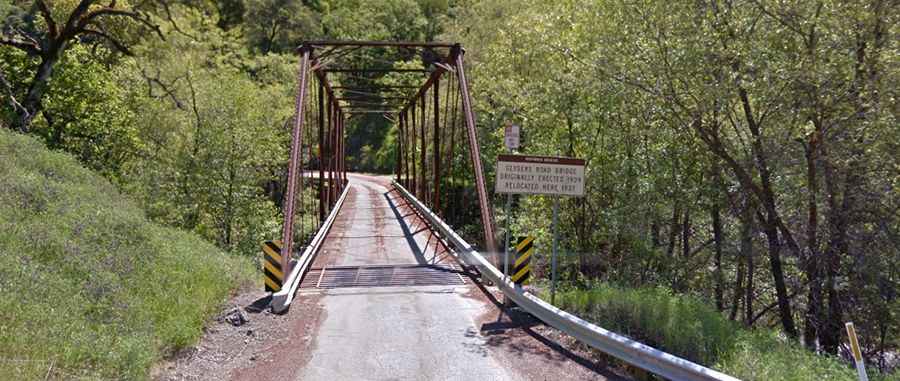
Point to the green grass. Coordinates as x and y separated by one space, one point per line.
689 328
89 288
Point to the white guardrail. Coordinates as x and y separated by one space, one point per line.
281 300
632 352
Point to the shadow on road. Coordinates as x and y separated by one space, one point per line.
511 323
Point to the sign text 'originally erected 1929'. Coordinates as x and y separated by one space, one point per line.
522 174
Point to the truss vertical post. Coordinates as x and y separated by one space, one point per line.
483 199
423 188
405 123
412 153
321 151
331 153
401 148
399 163
287 234
343 139
452 199
338 143
327 162
337 153
436 195
344 145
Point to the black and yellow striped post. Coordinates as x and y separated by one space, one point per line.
522 269
273 275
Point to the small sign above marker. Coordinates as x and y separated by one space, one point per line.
511 137
520 174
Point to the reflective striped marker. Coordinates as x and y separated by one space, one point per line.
522 269
857 353
273 274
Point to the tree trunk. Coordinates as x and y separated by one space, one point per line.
784 307
673 229
686 235
814 311
654 233
837 245
771 221
717 238
747 252
32 104
738 289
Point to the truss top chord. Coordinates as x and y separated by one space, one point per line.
396 44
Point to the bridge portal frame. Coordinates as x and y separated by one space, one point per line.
316 59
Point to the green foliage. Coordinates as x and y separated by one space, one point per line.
86 113
280 25
88 286
761 355
690 328
85 110
213 139
650 94
680 325
389 20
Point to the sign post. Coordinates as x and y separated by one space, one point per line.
555 253
857 353
511 140
547 175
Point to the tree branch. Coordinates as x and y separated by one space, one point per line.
118 45
12 99
73 23
171 20
167 88
48 18
29 47
769 308
107 11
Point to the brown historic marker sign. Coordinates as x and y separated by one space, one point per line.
520 174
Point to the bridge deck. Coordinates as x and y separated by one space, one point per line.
405 332
428 330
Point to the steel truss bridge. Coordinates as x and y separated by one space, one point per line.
356 231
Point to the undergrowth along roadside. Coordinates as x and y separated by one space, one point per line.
89 287
688 328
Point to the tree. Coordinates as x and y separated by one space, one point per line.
280 25
742 123
54 28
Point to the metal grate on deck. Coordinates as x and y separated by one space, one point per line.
383 276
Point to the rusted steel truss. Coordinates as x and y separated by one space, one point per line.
437 172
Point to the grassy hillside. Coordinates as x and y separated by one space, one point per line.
89 288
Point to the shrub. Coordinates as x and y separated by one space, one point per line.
688 328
